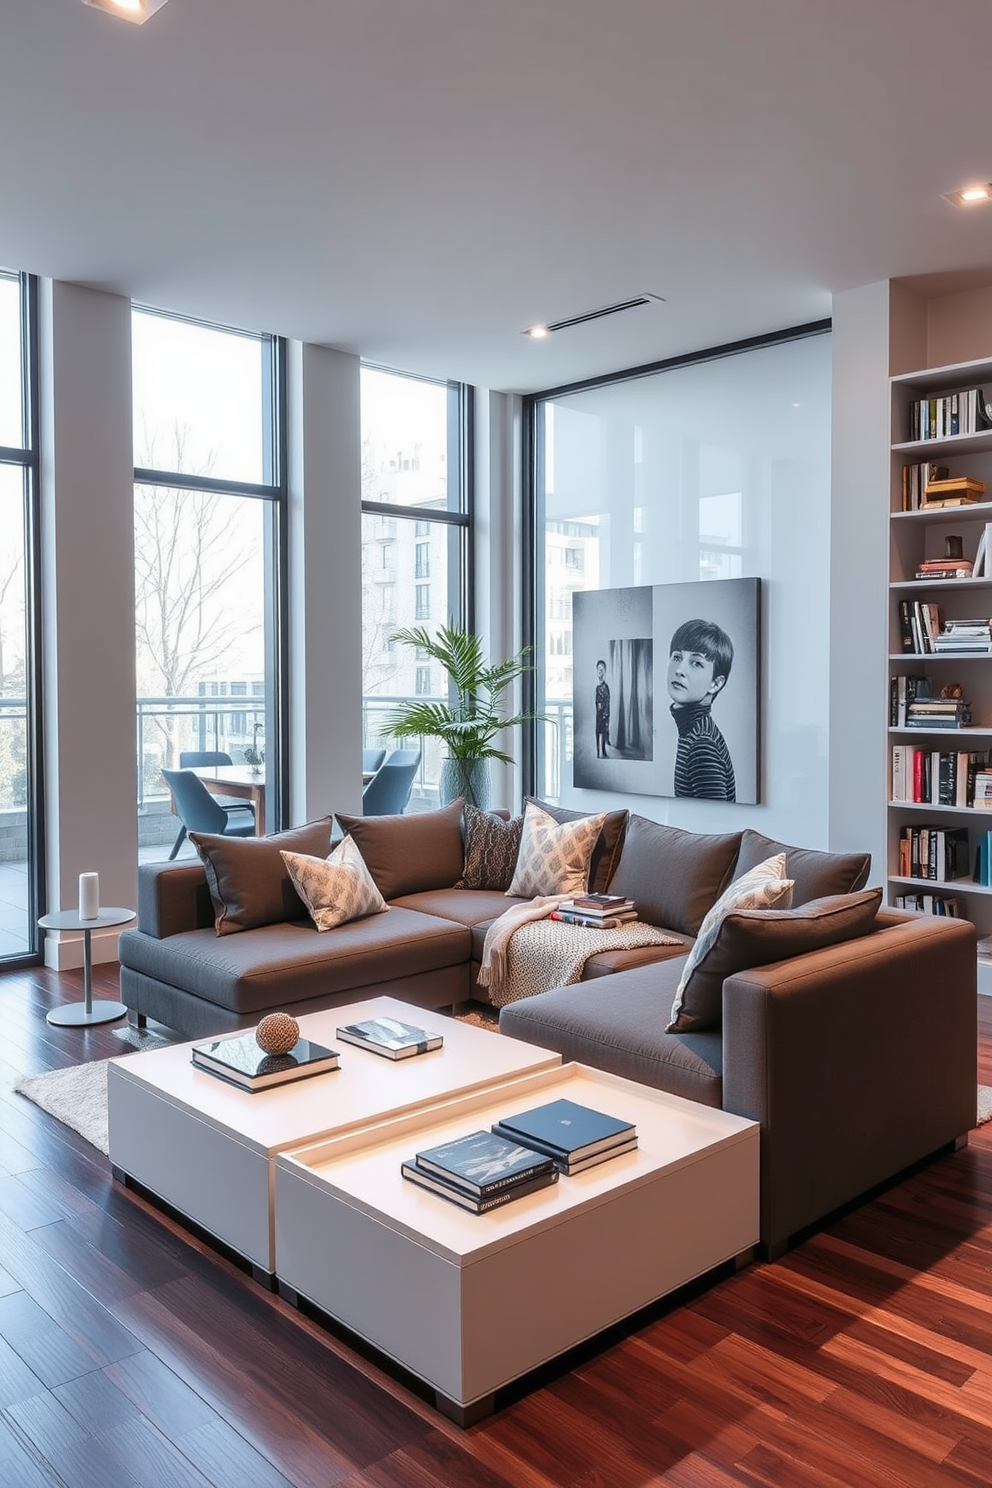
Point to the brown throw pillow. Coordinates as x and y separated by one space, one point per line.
757 937
410 854
606 851
248 880
674 876
816 874
491 847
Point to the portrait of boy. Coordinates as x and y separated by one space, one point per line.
700 658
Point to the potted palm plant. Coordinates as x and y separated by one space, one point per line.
467 725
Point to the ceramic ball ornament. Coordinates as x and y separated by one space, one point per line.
277 1033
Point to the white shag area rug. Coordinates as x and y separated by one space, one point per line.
78 1098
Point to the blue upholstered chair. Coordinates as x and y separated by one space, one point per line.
199 811
389 789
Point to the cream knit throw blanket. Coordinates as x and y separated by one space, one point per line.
525 953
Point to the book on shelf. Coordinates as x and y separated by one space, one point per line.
565 1130
936 904
904 690
390 1037
240 1061
945 570
943 416
482 1163
573 917
468 1201
983 861
916 478
953 485
934 852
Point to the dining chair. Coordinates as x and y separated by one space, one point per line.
199 811
372 759
388 792
193 759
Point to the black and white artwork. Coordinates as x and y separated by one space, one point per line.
666 690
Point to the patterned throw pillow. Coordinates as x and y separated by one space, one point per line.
553 858
491 847
698 998
335 889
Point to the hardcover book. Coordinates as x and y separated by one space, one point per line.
566 1130
390 1037
592 922
483 1163
240 1061
471 1202
600 904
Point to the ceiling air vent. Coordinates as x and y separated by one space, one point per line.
636 302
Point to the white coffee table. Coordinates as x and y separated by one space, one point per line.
207 1148
471 1302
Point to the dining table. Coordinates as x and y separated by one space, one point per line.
240 782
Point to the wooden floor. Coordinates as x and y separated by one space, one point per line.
133 1354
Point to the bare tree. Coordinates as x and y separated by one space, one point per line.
186 555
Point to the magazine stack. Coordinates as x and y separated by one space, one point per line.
481 1171
596 911
573 1136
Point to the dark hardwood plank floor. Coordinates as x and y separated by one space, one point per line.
133 1353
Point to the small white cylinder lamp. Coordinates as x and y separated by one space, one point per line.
89 896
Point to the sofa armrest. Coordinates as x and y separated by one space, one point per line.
857 1060
173 897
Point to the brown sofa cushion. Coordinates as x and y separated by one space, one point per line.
673 876
606 849
816 874
757 937
248 880
410 854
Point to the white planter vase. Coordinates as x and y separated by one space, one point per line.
465 777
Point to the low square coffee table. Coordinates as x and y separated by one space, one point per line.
207 1148
469 1302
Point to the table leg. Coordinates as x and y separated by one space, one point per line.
86 1013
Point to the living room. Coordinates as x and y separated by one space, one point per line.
408 251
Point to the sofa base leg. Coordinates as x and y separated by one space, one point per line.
136 1020
961 1141
774 1252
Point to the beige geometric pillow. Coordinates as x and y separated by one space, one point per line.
335 889
554 858
698 998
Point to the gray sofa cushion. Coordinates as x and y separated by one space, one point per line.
249 882
464 906
409 854
619 1027
278 964
759 937
674 876
815 874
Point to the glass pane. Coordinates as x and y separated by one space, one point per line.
16 931
11 424
198 399
200 633
395 551
405 441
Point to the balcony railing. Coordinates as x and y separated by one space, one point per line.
168 725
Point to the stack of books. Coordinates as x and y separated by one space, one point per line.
945 568
934 852
956 490
481 1171
240 1061
596 911
575 1137
943 416
932 713
964 638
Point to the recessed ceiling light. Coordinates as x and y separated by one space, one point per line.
137 11
970 196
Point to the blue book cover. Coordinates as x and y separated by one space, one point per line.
483 1162
565 1128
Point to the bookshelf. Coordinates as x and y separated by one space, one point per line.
938 754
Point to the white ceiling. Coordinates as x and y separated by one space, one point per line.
418 180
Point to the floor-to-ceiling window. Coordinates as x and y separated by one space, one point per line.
208 507
416 526
19 813
716 467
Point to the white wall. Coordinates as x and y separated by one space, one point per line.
87 532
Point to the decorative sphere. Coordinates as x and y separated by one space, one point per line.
277 1033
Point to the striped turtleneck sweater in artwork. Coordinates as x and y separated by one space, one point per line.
703 767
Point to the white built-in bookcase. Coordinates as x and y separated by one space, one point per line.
914 536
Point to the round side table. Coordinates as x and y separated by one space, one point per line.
84 1014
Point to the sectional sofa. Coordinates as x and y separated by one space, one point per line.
847 1031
